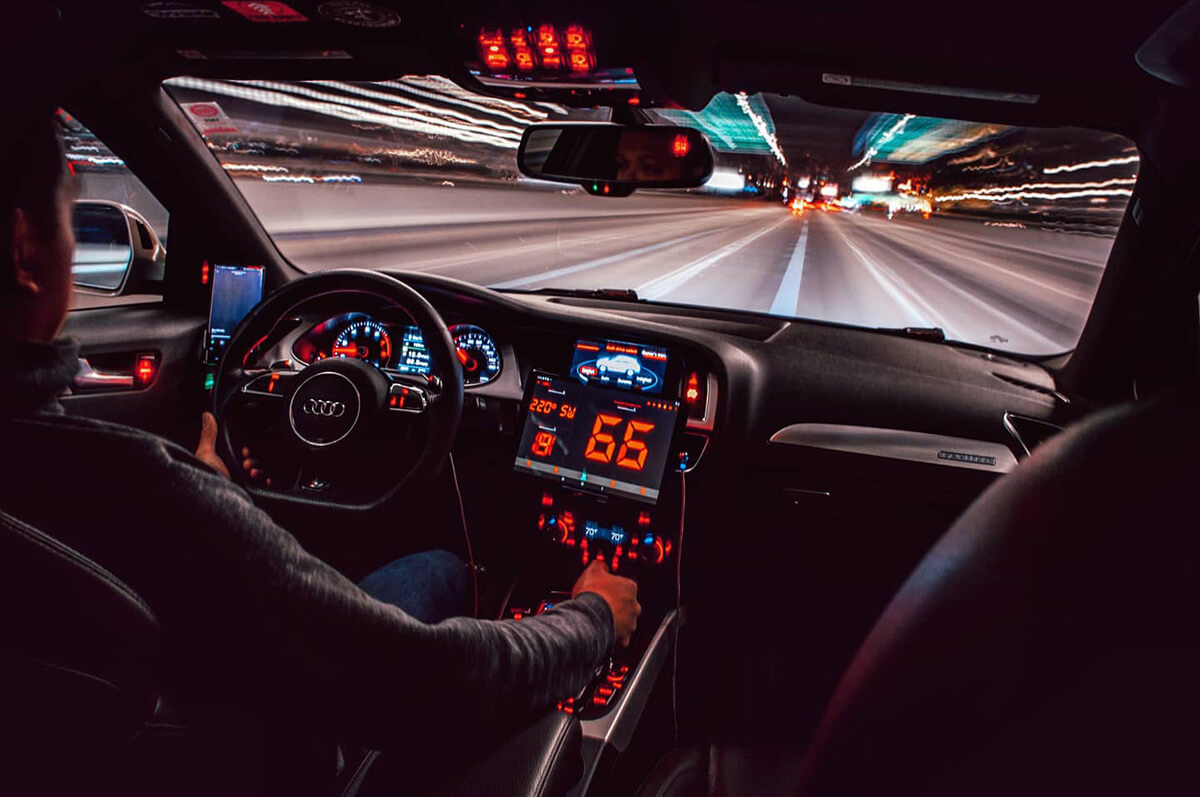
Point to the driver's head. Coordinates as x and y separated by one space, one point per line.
36 238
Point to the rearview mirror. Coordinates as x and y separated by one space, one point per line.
116 249
613 160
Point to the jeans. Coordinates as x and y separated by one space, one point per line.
430 586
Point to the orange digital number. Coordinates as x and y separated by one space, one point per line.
602 438
544 406
633 451
567 411
543 444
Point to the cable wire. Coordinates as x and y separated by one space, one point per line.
678 606
462 516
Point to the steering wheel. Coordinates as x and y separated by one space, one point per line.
336 416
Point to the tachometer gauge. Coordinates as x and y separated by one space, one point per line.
478 354
364 339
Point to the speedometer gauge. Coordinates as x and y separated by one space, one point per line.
478 354
364 339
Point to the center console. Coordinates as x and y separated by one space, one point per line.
606 431
601 438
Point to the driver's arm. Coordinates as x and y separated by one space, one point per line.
363 665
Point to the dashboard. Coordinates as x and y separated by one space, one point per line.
397 346
769 390
586 407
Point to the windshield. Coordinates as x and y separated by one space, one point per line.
996 235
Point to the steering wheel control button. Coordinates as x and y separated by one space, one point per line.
406 398
325 409
274 384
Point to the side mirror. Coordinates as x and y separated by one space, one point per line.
116 249
614 160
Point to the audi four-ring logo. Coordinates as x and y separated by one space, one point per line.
323 407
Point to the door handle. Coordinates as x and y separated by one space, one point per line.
89 377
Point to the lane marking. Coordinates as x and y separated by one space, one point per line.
1002 316
926 318
1046 343
597 263
941 246
788 296
664 284
964 236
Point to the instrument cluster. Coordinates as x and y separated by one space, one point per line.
396 346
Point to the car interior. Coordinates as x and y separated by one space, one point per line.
871 555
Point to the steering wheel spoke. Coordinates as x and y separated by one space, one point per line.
408 399
272 384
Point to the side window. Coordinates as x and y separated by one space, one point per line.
120 227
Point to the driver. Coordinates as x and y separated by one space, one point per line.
250 617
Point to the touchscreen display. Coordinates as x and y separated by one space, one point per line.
597 438
624 366
235 292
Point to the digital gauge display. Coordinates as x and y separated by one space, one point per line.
364 339
478 354
624 366
597 438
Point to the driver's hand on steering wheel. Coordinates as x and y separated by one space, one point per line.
206 452
254 467
206 449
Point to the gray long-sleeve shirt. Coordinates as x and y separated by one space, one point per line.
249 615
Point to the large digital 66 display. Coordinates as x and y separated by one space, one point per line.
597 438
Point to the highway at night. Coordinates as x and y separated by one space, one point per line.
1004 286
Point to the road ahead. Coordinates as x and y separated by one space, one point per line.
1022 290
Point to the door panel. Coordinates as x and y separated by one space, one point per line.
110 338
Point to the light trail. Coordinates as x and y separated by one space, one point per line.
400 120
760 125
1075 167
885 138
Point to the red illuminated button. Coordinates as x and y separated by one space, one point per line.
405 398
496 57
145 369
580 61
275 383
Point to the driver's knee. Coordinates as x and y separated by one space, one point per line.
431 586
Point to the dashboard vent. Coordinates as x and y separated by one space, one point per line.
1030 386
1029 432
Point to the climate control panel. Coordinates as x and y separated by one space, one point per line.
621 538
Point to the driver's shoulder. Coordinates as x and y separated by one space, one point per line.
78 444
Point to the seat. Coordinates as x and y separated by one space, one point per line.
80 710
78 666
1046 644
